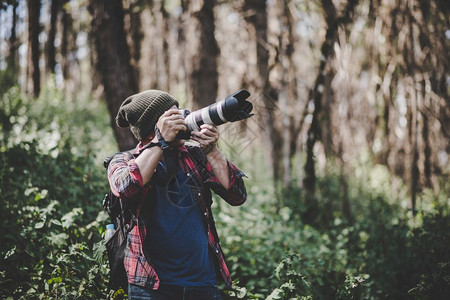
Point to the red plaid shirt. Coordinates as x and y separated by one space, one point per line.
126 182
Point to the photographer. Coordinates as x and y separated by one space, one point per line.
173 252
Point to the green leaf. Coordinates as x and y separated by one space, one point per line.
99 250
56 222
39 225
69 218
59 239
10 252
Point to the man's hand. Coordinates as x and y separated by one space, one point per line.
207 137
170 123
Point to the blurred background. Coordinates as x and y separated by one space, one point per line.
347 156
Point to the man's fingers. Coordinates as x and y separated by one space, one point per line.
209 133
181 127
175 122
198 135
172 111
209 127
174 117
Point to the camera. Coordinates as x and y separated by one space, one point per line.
233 108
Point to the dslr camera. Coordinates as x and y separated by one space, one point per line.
233 108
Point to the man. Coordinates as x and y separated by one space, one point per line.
174 251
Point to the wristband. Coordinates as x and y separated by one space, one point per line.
161 140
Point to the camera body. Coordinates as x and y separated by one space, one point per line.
233 108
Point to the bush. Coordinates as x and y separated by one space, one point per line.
52 183
382 254
51 189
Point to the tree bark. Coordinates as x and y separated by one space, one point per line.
166 51
327 52
34 28
160 47
50 48
288 88
66 41
113 62
255 13
184 22
204 71
314 132
135 35
12 58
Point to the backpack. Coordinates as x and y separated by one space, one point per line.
124 220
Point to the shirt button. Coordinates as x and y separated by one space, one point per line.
199 194
205 214
188 174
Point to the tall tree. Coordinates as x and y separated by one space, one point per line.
34 28
288 87
184 30
69 58
165 34
135 34
12 57
113 61
159 46
204 71
50 48
412 68
314 132
255 13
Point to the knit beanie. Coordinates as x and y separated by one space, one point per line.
142 111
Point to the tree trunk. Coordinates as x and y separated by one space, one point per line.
34 28
327 52
165 38
255 13
288 88
113 62
135 35
412 67
69 59
184 22
66 41
12 59
50 48
204 71
414 155
160 47
314 132
346 211
427 153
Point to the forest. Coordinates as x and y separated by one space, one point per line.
346 157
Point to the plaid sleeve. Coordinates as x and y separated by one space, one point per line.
237 193
124 176
139 270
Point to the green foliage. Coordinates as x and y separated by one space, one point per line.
52 182
51 192
435 285
293 284
382 253
354 288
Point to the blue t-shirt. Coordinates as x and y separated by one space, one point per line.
177 239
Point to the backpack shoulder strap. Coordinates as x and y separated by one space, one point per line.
108 159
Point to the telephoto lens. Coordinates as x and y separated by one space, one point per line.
233 108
